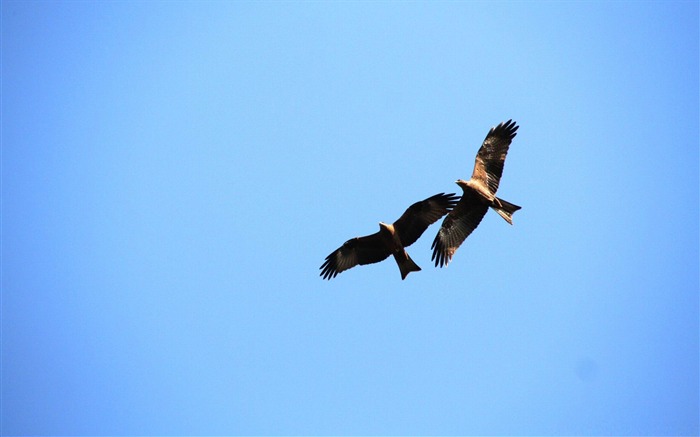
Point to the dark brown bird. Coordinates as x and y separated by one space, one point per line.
479 194
391 239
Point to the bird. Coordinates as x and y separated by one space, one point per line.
479 194
391 239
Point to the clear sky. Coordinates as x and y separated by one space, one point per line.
174 174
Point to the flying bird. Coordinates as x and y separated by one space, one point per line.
479 194
392 239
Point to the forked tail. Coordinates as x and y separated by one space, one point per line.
405 263
505 209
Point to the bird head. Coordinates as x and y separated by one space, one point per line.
461 182
386 227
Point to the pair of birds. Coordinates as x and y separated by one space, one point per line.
463 215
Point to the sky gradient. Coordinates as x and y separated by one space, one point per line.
174 174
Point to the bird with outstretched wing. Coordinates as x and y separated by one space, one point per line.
479 194
391 239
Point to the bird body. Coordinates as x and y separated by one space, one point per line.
504 208
393 242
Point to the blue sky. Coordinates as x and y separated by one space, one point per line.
174 174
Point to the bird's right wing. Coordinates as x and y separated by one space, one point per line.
491 157
412 223
356 251
459 223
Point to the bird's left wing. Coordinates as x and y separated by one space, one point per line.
411 225
457 226
356 251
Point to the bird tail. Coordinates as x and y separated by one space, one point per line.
504 209
405 263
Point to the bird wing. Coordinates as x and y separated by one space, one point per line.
491 157
411 225
360 250
457 226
